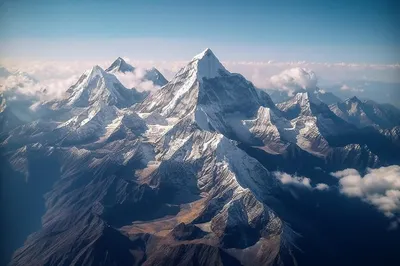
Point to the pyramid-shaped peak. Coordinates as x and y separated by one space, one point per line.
207 65
155 76
97 86
121 61
96 70
353 99
206 53
153 69
303 97
120 65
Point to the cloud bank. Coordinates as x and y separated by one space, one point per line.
136 79
23 84
379 187
58 75
260 72
50 79
293 79
298 181
346 87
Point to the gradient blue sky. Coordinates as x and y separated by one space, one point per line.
324 31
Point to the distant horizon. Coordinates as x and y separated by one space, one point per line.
386 73
342 42
366 81
148 49
352 31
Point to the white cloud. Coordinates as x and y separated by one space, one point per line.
287 179
322 186
55 88
33 78
379 187
45 70
25 84
136 80
16 80
260 72
56 77
58 74
349 88
19 82
298 181
293 79
345 172
346 88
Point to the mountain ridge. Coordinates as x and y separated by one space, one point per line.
151 74
186 174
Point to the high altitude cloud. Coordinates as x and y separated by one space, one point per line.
328 73
50 80
299 181
59 75
379 187
19 82
24 84
42 79
293 79
346 87
136 80
322 186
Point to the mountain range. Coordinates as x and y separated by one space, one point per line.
152 74
279 96
186 175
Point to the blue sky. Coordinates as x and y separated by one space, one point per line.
328 31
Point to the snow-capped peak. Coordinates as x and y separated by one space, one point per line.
120 65
366 113
155 76
206 52
96 85
353 99
303 103
207 65
303 98
95 71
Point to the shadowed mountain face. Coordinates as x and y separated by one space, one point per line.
186 177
